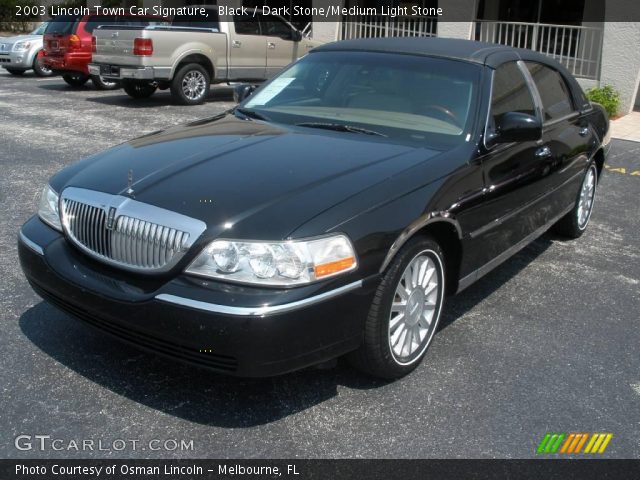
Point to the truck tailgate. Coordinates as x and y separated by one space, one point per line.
114 45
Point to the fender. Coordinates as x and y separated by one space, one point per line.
417 225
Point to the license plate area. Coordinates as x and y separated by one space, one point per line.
110 70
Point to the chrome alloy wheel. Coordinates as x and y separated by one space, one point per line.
415 308
587 195
193 85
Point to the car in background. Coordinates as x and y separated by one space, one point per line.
20 53
68 45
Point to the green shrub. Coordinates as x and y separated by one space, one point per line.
606 96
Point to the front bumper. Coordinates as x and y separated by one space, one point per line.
119 72
218 326
18 60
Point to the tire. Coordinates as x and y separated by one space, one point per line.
102 84
13 71
75 80
138 89
40 69
191 84
378 355
574 223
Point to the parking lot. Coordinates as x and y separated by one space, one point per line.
548 342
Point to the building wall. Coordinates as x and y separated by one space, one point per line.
621 61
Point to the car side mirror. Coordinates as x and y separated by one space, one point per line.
241 92
517 127
296 35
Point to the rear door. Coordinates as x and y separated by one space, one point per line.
565 132
281 47
247 49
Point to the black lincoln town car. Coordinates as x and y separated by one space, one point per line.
330 213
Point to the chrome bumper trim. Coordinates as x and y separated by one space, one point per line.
257 311
30 243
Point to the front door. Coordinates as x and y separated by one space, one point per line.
516 175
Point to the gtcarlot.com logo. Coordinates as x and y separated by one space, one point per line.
574 443
47 443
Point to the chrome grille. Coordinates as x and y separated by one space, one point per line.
128 238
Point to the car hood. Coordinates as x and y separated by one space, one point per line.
256 179
19 38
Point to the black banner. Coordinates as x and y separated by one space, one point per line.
319 469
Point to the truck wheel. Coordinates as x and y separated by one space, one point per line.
40 69
75 79
13 71
104 84
138 89
191 84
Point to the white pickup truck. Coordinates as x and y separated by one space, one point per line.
195 51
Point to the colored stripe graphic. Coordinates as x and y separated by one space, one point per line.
572 443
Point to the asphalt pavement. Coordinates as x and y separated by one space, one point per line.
548 342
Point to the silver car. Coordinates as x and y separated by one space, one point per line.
19 54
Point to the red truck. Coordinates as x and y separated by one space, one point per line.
67 48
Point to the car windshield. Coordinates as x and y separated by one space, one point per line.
63 24
40 30
412 98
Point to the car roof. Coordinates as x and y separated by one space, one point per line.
490 54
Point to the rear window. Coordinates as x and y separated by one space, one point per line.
95 21
62 24
135 21
198 21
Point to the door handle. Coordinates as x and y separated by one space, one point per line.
543 152
271 45
236 44
584 131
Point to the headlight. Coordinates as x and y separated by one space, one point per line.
20 46
294 262
48 210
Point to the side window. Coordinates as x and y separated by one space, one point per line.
246 25
275 27
554 92
510 93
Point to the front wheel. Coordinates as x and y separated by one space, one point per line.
405 311
40 69
14 71
75 80
191 84
103 84
138 89
574 223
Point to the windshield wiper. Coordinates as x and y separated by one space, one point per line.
251 114
339 127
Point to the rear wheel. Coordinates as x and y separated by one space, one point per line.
75 79
574 223
138 89
104 84
405 311
14 71
40 69
191 84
